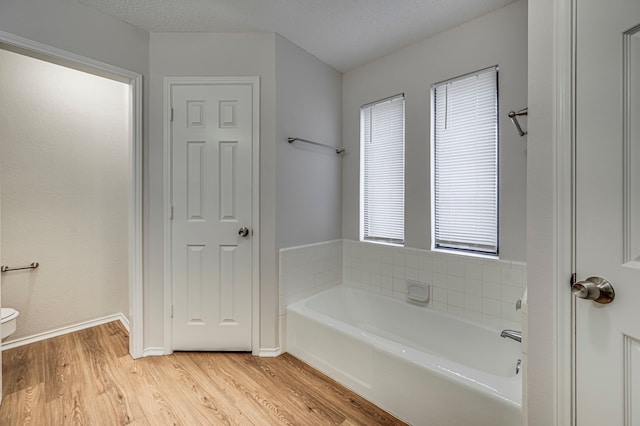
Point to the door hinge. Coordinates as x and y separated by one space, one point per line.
171 313
171 213
171 119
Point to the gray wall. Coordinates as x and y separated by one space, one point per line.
308 178
67 25
496 38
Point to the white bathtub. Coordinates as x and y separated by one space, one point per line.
425 367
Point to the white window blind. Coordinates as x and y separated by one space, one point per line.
382 170
465 163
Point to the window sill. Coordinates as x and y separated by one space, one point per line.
383 243
467 253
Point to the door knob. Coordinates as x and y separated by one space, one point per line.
594 288
243 232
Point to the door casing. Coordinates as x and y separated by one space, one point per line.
255 214
564 131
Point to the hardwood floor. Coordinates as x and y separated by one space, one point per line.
88 378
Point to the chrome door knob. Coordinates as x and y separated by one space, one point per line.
243 232
594 288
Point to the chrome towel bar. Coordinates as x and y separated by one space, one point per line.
338 150
33 265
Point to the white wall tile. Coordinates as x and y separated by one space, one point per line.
509 312
473 270
411 274
456 283
473 286
455 268
455 298
473 315
411 260
512 277
440 294
472 302
491 273
511 294
386 282
400 285
491 307
441 280
440 264
398 271
491 290
425 276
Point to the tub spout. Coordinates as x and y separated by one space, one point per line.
512 334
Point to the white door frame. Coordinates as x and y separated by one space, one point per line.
254 82
62 57
564 122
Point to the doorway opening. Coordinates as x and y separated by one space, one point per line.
87 201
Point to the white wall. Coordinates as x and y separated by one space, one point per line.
496 38
205 54
64 175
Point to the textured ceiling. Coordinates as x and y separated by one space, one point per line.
342 33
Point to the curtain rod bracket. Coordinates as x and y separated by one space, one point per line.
513 115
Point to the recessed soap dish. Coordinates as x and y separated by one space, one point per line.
418 292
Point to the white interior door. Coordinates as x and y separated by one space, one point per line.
212 137
608 210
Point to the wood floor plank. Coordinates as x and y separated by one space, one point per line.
22 367
278 382
88 378
24 407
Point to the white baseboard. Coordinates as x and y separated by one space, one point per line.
65 330
153 352
270 353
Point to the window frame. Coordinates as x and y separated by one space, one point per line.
363 173
460 247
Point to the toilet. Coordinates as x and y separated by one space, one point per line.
8 318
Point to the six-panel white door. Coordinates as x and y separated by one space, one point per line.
211 144
607 380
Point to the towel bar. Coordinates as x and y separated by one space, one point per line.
33 265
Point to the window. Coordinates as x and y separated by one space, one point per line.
465 163
382 171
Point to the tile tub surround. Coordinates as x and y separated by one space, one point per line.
481 289
307 270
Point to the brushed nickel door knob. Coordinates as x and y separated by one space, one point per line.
594 288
